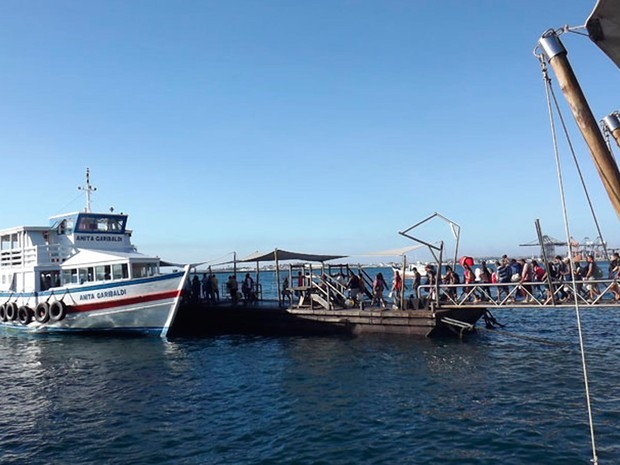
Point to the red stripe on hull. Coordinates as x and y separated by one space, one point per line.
124 302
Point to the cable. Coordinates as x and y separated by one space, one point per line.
549 92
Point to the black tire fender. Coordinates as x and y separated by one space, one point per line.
11 311
58 310
24 315
42 312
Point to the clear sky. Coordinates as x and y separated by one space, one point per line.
318 126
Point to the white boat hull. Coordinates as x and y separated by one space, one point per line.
142 305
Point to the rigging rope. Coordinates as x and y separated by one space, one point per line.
579 172
549 93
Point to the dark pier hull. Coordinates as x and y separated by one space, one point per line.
269 319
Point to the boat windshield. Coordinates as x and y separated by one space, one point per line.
93 223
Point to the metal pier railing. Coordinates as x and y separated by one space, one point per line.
588 293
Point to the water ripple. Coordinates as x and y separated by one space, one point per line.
513 396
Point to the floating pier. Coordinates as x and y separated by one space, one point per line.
267 317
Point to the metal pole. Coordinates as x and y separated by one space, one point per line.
275 256
545 259
402 284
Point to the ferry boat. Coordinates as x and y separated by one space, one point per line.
82 273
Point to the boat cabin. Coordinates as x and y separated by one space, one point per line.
75 249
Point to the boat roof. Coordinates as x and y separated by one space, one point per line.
16 229
93 257
603 27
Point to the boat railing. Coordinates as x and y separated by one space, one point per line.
34 255
597 292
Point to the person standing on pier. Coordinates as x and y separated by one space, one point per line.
353 286
593 272
417 280
451 278
215 291
195 289
286 292
206 286
363 291
431 280
614 273
233 289
247 288
469 279
378 286
397 287
557 271
504 273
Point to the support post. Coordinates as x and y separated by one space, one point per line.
278 289
603 160
402 284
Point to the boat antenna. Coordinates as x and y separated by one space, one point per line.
88 188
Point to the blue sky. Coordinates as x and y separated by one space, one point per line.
324 126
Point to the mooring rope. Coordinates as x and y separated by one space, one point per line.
549 92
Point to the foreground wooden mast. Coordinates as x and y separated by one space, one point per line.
603 160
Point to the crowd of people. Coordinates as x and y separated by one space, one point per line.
506 279
527 280
509 279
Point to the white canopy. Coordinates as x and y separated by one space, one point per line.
393 252
603 26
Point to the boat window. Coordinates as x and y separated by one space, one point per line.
10 241
120 271
143 270
103 273
83 275
46 281
69 276
65 226
50 279
101 223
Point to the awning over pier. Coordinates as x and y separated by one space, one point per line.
280 255
392 252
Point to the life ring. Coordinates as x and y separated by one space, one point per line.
2 312
42 312
58 310
24 315
11 311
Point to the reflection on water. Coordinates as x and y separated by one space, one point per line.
513 396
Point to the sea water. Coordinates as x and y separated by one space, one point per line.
513 396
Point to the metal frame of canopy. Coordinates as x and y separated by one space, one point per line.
456 232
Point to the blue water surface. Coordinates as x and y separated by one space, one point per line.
510 396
